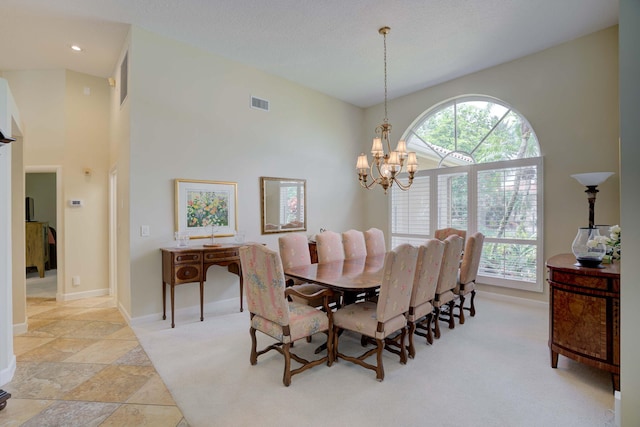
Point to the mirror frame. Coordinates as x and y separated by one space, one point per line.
265 200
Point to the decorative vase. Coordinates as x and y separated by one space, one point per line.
588 248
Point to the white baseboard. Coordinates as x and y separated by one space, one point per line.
511 299
80 295
616 407
6 375
192 311
20 328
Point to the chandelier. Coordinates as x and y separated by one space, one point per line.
386 166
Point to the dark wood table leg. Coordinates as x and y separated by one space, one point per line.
201 300
164 300
615 380
173 290
4 396
554 359
241 285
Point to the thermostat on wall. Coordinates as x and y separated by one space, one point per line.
76 203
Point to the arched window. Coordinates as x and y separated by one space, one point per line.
480 170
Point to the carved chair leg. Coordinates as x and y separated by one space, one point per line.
403 350
330 351
412 349
286 379
254 355
473 307
379 367
461 309
429 332
436 320
452 323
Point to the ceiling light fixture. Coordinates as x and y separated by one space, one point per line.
387 164
76 48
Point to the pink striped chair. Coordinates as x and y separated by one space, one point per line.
443 233
386 317
468 273
272 314
374 241
329 247
447 281
354 244
424 291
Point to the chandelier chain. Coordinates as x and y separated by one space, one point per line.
386 119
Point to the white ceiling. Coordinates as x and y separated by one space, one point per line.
332 46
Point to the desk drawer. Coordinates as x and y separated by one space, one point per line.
187 273
593 282
220 256
187 257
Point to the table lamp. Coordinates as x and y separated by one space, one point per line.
591 180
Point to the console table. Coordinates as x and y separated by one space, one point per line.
584 314
190 264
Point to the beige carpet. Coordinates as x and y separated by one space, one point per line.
492 371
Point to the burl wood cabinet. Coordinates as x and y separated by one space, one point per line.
584 314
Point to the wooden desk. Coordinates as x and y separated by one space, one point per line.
190 264
584 314
354 275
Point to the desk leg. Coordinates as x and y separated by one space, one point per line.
201 300
615 379
554 359
241 284
164 300
173 290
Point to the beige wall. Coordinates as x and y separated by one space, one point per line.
191 119
630 206
66 116
569 94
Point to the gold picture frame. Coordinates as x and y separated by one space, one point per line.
201 204
283 205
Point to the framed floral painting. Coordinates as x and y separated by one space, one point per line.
203 208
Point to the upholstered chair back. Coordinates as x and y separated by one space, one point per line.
329 247
294 250
374 241
471 258
397 282
264 283
443 233
450 264
354 244
427 272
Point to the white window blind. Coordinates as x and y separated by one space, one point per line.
502 200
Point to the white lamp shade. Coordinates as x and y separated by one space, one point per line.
412 162
363 163
401 148
376 148
592 178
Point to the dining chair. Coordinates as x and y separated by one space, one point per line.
294 252
384 318
374 241
354 244
468 274
424 291
329 247
272 314
447 281
443 233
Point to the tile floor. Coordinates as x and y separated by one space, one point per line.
80 364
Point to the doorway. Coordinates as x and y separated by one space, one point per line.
43 211
113 233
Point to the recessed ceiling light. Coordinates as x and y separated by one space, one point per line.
76 48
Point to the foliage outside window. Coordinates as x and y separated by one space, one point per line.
480 170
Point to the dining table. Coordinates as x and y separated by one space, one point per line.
355 275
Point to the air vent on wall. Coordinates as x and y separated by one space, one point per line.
260 104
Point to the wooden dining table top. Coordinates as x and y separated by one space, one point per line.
356 274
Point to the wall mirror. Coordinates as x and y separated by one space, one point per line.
283 203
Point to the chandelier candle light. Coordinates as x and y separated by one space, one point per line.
390 163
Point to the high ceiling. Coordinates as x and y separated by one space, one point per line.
332 46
